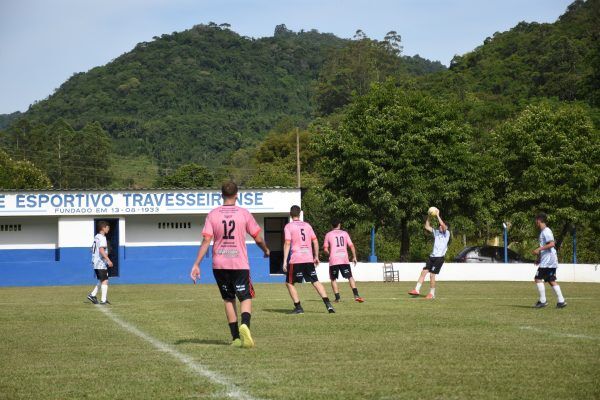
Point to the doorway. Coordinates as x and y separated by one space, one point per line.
274 238
112 241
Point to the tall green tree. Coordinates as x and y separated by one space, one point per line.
395 154
19 175
188 176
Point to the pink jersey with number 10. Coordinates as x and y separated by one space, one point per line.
337 241
228 225
300 235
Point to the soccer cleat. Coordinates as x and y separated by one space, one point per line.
561 305
93 299
236 342
430 296
247 341
330 309
539 304
298 310
104 303
414 292
337 300
359 299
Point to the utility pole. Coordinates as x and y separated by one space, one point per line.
298 157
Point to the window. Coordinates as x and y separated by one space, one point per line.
10 228
174 225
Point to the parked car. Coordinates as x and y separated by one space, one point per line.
488 254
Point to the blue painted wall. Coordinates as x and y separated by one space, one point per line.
72 266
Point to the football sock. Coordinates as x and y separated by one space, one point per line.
297 305
246 319
235 331
542 290
418 287
337 296
104 292
95 291
432 291
326 300
559 295
355 291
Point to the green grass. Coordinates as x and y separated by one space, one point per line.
134 172
476 341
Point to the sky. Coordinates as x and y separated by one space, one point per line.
44 42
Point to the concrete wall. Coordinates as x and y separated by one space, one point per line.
471 272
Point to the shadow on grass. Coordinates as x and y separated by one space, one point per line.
519 306
214 342
278 310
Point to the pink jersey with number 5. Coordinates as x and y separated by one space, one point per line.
227 226
337 241
300 235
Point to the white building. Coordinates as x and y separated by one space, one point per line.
45 236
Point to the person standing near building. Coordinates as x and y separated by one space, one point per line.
100 263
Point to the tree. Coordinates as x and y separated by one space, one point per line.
20 175
550 158
188 176
396 153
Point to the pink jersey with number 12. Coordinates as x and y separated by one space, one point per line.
227 226
300 235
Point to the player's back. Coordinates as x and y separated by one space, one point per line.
300 235
228 225
337 241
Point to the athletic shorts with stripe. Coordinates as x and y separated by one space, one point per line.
299 272
234 283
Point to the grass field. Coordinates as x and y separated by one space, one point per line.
476 341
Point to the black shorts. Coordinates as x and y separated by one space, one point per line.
234 283
101 274
547 274
434 264
299 272
334 271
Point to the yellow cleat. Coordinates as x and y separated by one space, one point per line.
247 341
236 343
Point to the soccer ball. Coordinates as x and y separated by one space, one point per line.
433 211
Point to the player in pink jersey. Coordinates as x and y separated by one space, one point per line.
300 237
338 241
227 226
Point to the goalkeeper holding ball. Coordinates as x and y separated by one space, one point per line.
441 237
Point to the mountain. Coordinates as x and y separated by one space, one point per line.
7 119
559 60
200 94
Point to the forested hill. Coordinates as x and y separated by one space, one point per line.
200 94
560 60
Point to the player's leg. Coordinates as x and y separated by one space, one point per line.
92 295
245 293
294 295
333 275
539 282
346 271
551 279
232 321
417 289
321 290
431 294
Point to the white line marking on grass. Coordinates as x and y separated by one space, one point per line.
232 390
566 335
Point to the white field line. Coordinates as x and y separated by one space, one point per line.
566 335
232 390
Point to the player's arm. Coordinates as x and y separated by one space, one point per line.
105 256
195 272
547 246
353 250
326 246
427 226
315 244
286 253
443 226
263 246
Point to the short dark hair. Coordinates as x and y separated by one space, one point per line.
295 211
229 189
542 217
101 225
335 222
